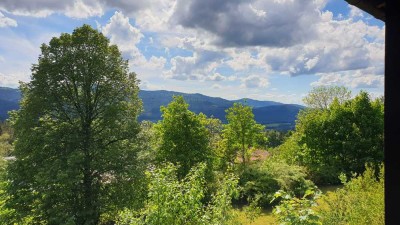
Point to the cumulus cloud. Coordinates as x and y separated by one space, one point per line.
251 23
84 9
355 12
128 6
216 77
7 22
194 67
243 59
42 8
75 9
351 79
339 45
255 81
126 36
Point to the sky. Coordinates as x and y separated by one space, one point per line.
261 49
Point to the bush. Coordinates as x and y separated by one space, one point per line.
259 182
173 201
297 211
361 201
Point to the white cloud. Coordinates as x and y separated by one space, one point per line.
82 9
183 68
216 77
156 62
355 12
339 46
242 59
352 79
255 81
12 80
72 8
125 36
196 67
7 22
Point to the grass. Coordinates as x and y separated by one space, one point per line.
330 188
266 218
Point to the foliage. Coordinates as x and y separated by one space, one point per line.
241 133
183 138
322 97
260 182
275 138
253 210
297 211
148 140
173 201
290 150
339 139
361 201
76 134
6 147
214 127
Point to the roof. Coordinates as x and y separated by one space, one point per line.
374 7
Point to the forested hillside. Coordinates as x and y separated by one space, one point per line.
280 116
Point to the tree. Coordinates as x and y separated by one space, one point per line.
321 97
76 133
242 132
342 138
183 137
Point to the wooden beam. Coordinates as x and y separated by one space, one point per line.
392 114
374 7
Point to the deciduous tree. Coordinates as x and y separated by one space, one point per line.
184 139
242 132
342 138
76 133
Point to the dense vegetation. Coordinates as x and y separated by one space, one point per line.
75 152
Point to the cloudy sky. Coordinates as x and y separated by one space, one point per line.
261 49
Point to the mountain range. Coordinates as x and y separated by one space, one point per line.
274 115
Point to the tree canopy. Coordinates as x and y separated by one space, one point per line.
184 140
341 138
76 133
242 132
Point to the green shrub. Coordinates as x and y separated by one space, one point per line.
361 201
259 182
297 211
173 201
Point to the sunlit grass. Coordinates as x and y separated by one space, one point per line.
265 218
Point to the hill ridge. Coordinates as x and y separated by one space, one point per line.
282 116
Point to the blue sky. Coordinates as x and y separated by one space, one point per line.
262 49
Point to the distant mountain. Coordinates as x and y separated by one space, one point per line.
9 100
210 106
275 115
256 103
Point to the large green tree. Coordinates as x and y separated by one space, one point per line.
76 133
341 138
184 139
241 133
